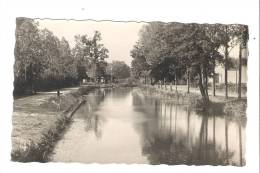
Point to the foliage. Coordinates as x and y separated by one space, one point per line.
43 61
120 70
138 64
90 56
172 49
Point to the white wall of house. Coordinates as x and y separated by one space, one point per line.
233 74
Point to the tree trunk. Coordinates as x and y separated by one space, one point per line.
188 81
206 83
205 79
164 84
226 69
239 71
202 90
214 81
31 79
176 89
25 73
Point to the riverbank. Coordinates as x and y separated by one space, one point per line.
40 120
233 107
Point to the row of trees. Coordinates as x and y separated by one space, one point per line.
43 61
174 51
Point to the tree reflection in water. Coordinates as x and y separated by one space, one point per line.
92 119
174 134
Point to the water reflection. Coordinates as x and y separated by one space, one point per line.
87 112
182 136
123 126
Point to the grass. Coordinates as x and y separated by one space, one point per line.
39 152
178 97
233 107
39 122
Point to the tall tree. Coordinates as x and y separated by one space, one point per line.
80 53
170 49
28 52
53 58
42 61
139 66
227 35
243 38
67 61
91 53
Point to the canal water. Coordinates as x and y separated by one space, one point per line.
122 125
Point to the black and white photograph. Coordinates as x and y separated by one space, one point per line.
128 92
134 92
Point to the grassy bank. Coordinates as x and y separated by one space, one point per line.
40 121
178 97
234 108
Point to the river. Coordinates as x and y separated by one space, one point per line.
121 125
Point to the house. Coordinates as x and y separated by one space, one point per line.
233 72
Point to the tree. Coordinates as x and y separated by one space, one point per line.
42 61
54 54
120 70
228 37
172 49
200 53
156 42
67 61
139 66
81 57
243 38
90 53
28 52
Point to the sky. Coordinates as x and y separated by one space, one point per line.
118 37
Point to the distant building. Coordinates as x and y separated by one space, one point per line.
233 72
